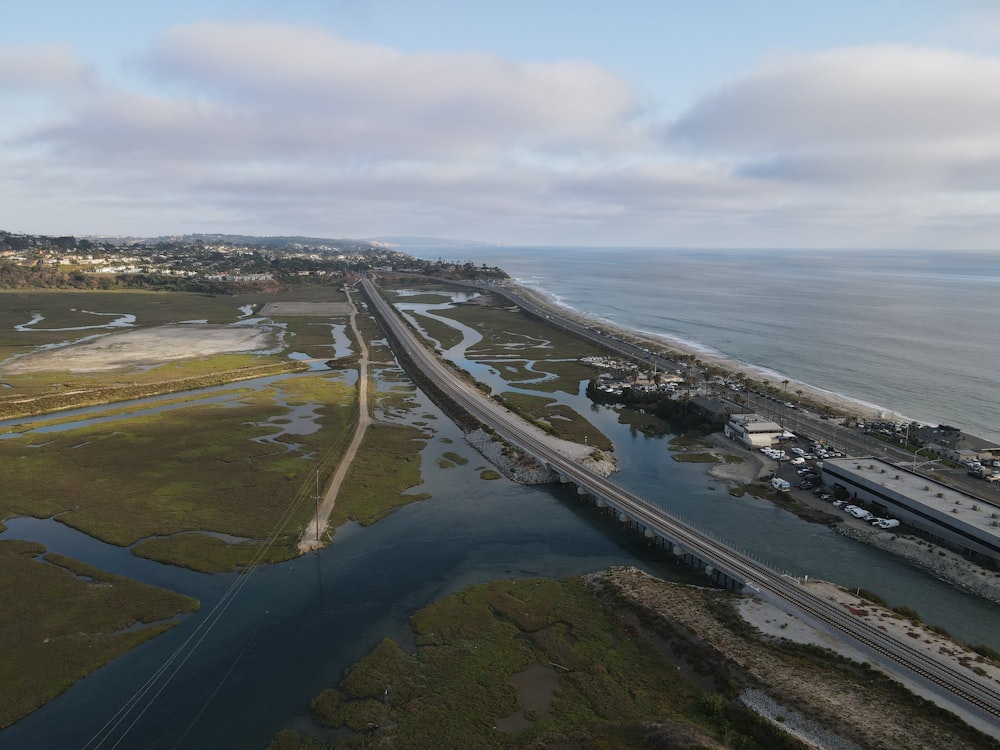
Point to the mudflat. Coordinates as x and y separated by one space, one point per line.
148 346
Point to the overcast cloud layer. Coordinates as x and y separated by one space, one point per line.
271 129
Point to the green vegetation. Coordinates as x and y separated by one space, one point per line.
386 466
695 458
687 441
567 376
62 619
68 309
313 336
682 420
489 474
451 459
907 613
784 500
72 392
447 336
428 298
605 684
202 467
556 419
508 331
209 554
872 597
987 652
647 424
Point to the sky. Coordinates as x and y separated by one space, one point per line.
776 123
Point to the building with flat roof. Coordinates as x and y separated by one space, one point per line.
955 518
752 430
715 410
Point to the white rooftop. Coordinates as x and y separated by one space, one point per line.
964 507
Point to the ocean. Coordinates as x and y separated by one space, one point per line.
907 335
297 626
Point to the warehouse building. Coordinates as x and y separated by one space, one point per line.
956 519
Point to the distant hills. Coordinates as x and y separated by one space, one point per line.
417 241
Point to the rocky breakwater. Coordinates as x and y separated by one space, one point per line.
942 563
522 468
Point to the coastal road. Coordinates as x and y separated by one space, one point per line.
855 442
962 689
850 441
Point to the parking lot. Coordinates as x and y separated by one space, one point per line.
797 465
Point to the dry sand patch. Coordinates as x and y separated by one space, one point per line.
297 309
148 346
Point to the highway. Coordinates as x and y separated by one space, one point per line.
977 697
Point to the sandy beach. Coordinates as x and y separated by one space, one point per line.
835 403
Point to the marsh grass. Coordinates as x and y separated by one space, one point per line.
567 376
695 458
427 298
687 442
53 391
311 336
447 336
209 554
506 331
196 468
456 689
556 419
62 619
386 466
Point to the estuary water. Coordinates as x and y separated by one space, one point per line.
905 333
246 666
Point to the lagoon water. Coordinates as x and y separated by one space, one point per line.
248 665
907 333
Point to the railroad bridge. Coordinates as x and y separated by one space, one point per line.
658 533
727 564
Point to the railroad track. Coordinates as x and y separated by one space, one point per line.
755 574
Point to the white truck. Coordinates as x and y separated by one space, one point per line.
861 513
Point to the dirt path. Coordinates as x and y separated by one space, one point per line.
313 534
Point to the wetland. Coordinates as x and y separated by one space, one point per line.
202 495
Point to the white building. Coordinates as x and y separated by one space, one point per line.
958 520
752 430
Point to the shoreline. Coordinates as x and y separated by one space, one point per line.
975 580
841 404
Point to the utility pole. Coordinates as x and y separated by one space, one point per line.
316 499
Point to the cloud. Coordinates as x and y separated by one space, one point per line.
265 62
279 129
290 91
33 70
879 113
